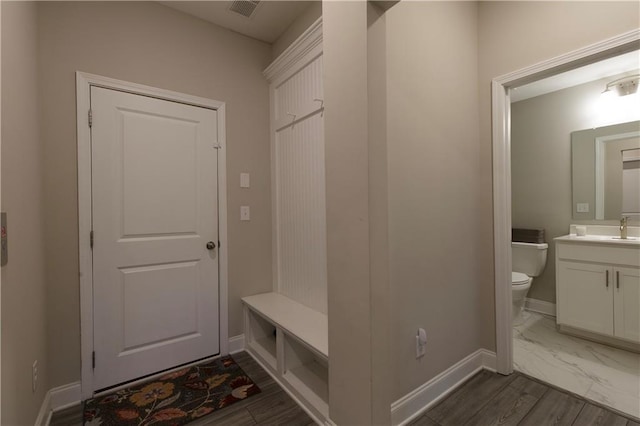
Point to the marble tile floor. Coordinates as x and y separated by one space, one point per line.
597 372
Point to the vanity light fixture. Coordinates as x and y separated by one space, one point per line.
623 86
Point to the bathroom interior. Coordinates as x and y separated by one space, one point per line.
575 167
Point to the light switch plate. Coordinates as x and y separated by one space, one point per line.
582 207
244 180
245 213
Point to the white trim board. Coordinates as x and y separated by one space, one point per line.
540 306
296 52
501 143
57 399
84 81
44 415
236 344
416 402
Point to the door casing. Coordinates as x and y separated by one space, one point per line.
84 81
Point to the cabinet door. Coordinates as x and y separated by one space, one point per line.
585 296
627 303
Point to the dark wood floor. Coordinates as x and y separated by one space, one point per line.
485 399
491 399
270 407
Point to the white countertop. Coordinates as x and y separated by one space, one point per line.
600 239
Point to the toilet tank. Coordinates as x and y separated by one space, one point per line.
529 258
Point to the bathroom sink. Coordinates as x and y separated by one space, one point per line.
628 238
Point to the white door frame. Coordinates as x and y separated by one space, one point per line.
501 141
84 82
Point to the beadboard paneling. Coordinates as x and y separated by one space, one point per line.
301 212
296 94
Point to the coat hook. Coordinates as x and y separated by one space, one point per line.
321 106
293 117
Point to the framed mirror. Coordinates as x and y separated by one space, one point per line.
605 166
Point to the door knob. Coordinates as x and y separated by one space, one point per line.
211 245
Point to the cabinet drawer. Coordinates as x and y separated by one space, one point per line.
629 256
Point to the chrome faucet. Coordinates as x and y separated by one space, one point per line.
623 228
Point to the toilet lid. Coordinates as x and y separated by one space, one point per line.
518 278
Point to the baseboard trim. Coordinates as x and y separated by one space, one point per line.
57 399
65 396
44 415
416 402
236 344
540 306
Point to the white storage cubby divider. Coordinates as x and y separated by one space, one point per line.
301 358
262 338
307 373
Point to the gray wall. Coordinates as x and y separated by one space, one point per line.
433 168
147 43
541 167
24 303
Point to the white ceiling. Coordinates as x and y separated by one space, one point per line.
270 19
627 63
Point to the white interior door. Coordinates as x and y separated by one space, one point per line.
155 208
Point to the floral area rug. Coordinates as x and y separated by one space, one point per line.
176 398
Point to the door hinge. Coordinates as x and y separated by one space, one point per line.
93 359
90 118
91 239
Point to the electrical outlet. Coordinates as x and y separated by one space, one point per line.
582 207
245 213
34 375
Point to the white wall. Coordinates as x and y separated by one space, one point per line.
347 186
147 43
24 303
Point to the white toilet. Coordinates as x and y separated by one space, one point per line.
528 261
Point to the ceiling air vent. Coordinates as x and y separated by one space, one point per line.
244 7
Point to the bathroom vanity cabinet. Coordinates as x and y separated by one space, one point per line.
598 288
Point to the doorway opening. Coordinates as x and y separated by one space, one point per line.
503 89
